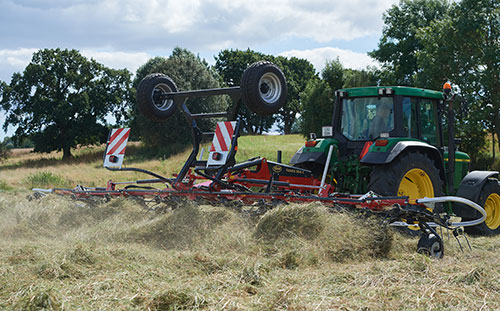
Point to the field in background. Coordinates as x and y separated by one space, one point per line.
25 169
61 254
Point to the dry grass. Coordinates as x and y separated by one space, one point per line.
59 254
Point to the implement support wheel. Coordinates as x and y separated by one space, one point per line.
431 245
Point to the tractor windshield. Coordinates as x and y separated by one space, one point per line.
364 118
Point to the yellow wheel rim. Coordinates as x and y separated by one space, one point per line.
492 208
416 184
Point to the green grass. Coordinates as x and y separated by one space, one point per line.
46 179
4 186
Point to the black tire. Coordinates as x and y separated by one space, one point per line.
489 199
263 88
148 101
430 245
386 179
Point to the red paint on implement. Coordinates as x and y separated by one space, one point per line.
115 134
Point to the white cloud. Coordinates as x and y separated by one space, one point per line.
16 60
13 61
195 24
319 56
119 60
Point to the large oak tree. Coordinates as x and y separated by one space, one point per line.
61 100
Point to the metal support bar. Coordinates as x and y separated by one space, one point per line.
327 165
209 115
231 91
133 169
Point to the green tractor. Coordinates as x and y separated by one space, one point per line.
391 140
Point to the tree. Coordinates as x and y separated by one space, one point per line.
61 100
189 72
230 65
318 107
464 48
318 98
4 151
364 77
298 73
399 45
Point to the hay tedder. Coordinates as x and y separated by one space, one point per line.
257 181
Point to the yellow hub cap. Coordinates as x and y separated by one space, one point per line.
416 184
492 208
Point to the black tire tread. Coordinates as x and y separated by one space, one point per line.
385 179
491 186
144 103
251 98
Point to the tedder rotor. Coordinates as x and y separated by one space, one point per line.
257 180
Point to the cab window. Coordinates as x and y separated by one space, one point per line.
410 127
428 116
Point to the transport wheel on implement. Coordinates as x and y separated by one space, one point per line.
263 88
489 199
430 245
150 97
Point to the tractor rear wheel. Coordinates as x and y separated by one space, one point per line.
150 97
489 199
263 88
412 174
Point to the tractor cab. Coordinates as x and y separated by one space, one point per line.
371 126
369 114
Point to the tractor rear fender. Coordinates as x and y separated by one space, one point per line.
404 147
470 188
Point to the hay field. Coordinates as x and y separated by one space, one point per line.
25 169
61 254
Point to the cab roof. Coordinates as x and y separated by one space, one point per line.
398 90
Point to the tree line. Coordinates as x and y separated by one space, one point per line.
63 99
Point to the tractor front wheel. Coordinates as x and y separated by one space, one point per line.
489 199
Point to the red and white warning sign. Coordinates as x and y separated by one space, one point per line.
221 143
115 150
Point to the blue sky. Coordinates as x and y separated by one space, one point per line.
126 33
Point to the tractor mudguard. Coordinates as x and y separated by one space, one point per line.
388 156
307 157
470 188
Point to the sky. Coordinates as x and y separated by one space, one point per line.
126 33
